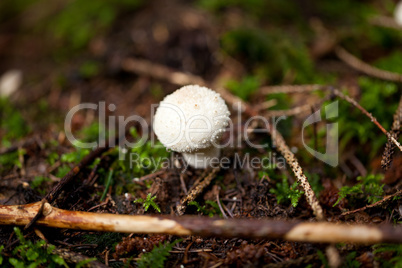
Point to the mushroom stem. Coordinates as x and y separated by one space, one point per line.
203 158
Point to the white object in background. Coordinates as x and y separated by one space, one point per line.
10 81
398 13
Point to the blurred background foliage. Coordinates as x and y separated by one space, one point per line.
273 42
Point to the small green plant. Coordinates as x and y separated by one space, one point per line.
84 263
365 132
245 87
12 159
395 261
350 260
29 254
210 208
37 183
369 188
323 259
149 201
284 193
157 257
1 256
79 21
12 124
108 183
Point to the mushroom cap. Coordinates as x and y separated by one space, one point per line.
190 119
398 13
203 158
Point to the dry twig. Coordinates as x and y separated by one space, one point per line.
376 204
384 21
363 67
287 89
317 232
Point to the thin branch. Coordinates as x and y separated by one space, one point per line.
287 89
369 115
376 204
363 67
157 71
388 22
316 232
298 110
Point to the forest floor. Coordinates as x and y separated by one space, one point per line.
126 53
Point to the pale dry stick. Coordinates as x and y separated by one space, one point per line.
384 21
157 71
298 110
287 89
196 190
369 115
297 170
313 232
363 67
179 78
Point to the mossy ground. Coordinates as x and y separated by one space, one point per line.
70 52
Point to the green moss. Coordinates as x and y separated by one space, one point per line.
79 21
392 62
29 254
148 202
285 193
157 257
12 124
274 55
368 188
245 87
38 184
379 98
210 208
396 257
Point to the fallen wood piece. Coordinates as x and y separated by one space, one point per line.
320 232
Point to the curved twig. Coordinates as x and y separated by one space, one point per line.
363 67
317 232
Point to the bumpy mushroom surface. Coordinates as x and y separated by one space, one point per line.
190 119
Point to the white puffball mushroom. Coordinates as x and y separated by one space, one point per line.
191 119
398 13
